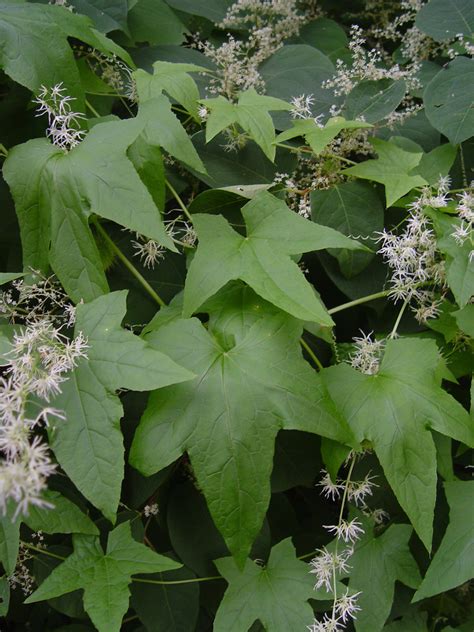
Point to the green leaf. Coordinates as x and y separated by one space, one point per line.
262 258
465 319
167 608
154 22
250 112
395 410
275 594
6 277
352 208
252 381
459 264
104 577
392 169
63 189
298 69
63 517
248 165
377 563
214 10
107 15
436 163
162 127
372 101
4 596
325 35
174 79
453 563
445 19
448 100
89 444
9 540
35 49
318 137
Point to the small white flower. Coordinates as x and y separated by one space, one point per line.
347 531
149 251
330 489
346 606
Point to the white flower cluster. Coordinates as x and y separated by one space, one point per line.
269 23
329 565
151 510
38 361
43 299
366 65
414 258
113 71
149 251
465 230
357 491
64 125
367 355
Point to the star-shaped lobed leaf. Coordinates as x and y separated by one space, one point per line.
251 113
453 563
275 594
251 382
319 136
261 258
104 577
55 192
89 445
376 564
395 410
392 169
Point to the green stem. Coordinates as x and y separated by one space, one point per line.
393 333
92 109
179 200
3 150
461 190
129 265
311 354
341 513
358 301
341 158
176 581
43 551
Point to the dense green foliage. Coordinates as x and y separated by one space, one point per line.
236 315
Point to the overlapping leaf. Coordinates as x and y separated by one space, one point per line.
377 563
175 80
55 192
453 563
252 381
89 445
395 410
62 516
104 577
251 113
262 258
319 136
35 49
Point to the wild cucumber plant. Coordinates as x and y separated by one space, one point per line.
236 315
